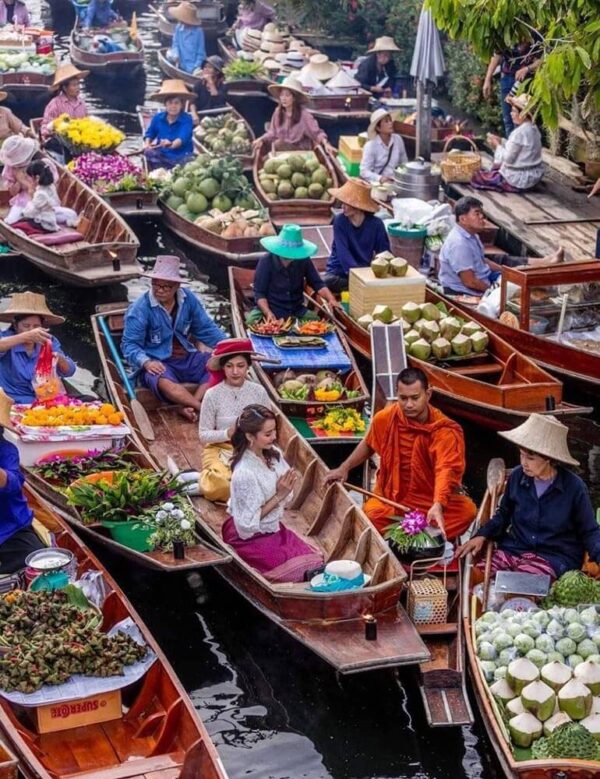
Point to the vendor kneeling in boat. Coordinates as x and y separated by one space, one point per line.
358 235
422 460
463 267
168 139
230 393
21 343
281 275
545 521
384 150
165 337
188 51
262 485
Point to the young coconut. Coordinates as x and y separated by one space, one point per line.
366 320
450 326
441 348
595 705
469 328
387 256
524 729
479 340
383 314
430 331
307 378
555 721
380 267
539 699
575 699
419 325
556 675
420 349
411 312
515 707
430 312
592 723
589 674
521 672
411 337
461 345
503 691
398 266
406 326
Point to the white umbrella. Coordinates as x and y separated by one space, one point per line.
427 66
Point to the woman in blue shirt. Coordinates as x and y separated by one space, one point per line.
99 15
545 522
188 51
168 139
20 345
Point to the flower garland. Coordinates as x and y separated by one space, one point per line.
87 134
110 173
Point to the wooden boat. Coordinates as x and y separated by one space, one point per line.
300 412
241 87
198 556
8 763
159 734
351 106
487 708
26 86
301 211
172 71
121 64
441 679
245 159
104 254
212 14
332 625
579 363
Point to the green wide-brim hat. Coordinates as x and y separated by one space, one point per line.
289 244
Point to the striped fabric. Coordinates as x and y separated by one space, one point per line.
528 562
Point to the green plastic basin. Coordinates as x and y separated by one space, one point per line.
133 535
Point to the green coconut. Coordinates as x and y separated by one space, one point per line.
411 312
441 348
479 341
461 345
386 255
284 171
406 326
383 314
470 327
502 691
515 706
298 180
285 189
524 729
556 675
419 325
292 385
411 337
555 721
398 266
430 312
380 267
366 320
315 190
539 699
420 349
430 331
301 193
450 326
589 674
521 672
575 699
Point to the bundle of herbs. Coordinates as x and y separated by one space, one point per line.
62 471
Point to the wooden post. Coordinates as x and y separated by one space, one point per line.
423 144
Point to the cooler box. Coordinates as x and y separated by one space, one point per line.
367 291
350 147
351 168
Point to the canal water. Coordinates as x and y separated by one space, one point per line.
273 709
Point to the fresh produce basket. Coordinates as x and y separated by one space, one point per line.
459 166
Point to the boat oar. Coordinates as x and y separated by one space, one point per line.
139 412
373 495
496 473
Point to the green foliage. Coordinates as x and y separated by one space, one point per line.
466 71
61 471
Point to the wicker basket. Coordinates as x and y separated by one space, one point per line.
459 166
427 601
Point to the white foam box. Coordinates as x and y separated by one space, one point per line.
367 291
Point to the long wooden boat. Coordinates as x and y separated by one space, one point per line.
241 87
487 708
302 211
200 555
212 14
442 678
172 71
121 64
299 411
332 625
565 358
27 85
104 254
246 159
159 734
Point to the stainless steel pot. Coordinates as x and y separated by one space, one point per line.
416 179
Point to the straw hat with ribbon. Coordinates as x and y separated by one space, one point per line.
543 434
18 151
376 117
6 405
30 304
166 268
294 59
290 244
321 67
385 43
290 83
172 87
225 349
356 194
186 14
66 72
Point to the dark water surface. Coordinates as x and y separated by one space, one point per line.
274 710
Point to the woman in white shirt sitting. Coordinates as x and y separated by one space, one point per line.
384 150
518 162
262 484
231 392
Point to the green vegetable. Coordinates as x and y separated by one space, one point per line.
241 69
568 741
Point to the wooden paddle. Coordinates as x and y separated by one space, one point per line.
496 473
373 495
139 412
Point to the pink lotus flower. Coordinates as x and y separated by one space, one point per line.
414 523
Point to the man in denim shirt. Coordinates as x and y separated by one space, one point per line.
165 332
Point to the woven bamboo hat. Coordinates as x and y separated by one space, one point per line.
6 404
321 67
543 434
30 304
172 87
293 85
520 102
376 117
166 268
385 43
356 194
186 14
66 73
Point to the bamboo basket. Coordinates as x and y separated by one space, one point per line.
427 601
459 166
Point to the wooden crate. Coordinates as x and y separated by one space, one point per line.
350 147
74 714
8 763
367 291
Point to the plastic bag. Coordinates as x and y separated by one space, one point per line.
46 382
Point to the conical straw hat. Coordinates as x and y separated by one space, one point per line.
342 80
172 87
385 43
321 67
66 73
356 194
30 304
186 13
543 434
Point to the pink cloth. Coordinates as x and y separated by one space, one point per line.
280 557
20 17
528 562
303 135
21 198
256 17
61 104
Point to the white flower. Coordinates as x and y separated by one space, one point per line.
167 506
160 515
185 524
177 514
158 520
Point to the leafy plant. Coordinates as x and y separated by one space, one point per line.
240 69
62 471
409 532
174 521
466 72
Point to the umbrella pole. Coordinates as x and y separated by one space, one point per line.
423 145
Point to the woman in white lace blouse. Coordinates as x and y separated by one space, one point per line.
262 485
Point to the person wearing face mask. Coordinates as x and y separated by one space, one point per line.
377 71
384 150
358 235
422 460
545 521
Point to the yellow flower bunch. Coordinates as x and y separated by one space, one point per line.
84 414
342 420
88 133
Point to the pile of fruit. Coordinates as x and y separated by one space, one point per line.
323 386
385 264
342 421
207 183
80 414
297 176
224 134
237 223
19 61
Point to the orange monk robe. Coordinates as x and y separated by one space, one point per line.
420 464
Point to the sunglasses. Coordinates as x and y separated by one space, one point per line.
166 287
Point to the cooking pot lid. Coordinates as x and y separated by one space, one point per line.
418 166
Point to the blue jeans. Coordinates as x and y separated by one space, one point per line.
507 82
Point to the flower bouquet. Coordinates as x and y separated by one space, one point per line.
87 134
110 173
411 537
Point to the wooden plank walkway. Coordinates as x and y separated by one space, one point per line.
549 200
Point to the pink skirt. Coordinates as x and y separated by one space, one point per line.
528 562
492 179
280 557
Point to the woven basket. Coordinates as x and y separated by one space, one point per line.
427 601
459 166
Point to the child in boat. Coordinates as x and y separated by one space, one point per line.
262 484
44 208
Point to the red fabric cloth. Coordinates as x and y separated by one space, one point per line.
528 562
421 464
27 227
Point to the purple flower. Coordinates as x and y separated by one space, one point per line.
414 523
